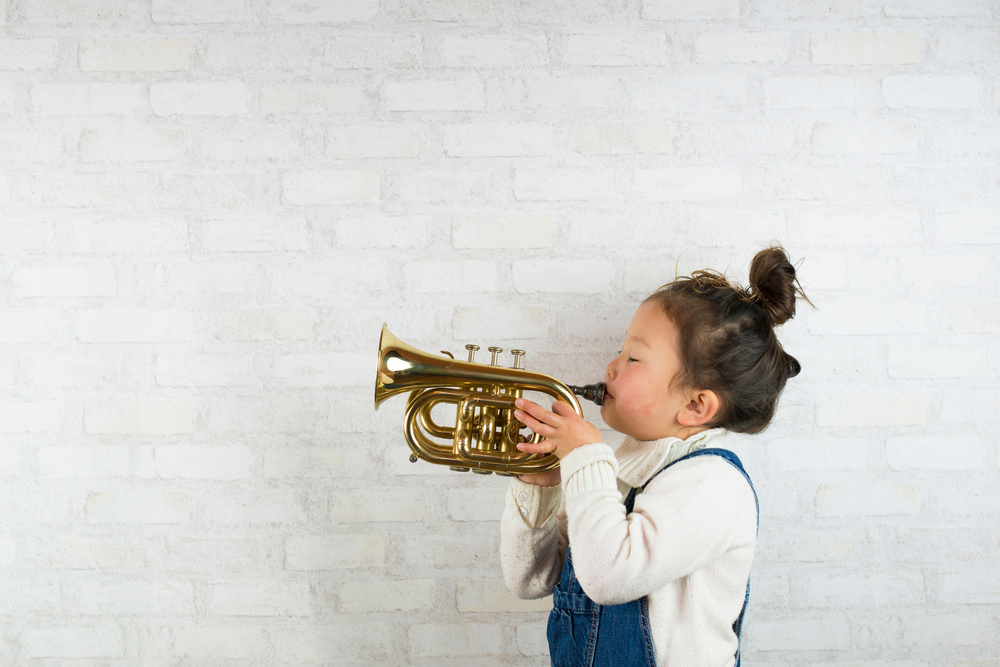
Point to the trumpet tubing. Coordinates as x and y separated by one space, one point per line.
485 434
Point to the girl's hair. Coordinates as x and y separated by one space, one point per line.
727 340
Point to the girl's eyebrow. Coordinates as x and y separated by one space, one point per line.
638 339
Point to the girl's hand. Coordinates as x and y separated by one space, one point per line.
562 428
547 478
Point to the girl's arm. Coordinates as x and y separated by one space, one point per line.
686 518
532 539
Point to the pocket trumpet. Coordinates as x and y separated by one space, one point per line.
485 435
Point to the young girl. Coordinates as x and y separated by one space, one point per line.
647 549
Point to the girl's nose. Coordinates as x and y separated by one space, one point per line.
610 372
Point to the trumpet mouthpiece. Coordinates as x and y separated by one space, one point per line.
591 392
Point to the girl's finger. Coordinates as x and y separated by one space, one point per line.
532 423
537 411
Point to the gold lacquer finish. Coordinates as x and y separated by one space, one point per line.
485 434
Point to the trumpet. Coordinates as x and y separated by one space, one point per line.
485 435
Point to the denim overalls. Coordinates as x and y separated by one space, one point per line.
582 633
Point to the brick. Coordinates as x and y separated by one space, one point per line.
146 506
495 140
375 231
494 51
398 505
150 144
810 92
678 10
312 188
688 183
875 137
260 598
185 12
743 47
133 326
928 9
974 316
33 416
173 370
317 11
323 370
800 455
925 91
84 462
314 99
103 553
28 144
373 50
939 630
262 324
360 643
27 326
67 13
616 49
625 138
938 361
376 140
503 230
101 640
936 453
555 184
242 641
255 234
811 546
501 322
139 417
135 54
465 276
89 280
308 462
871 591
442 187
218 462
818 633
972 227
259 507
335 552
868 499
202 280
869 319
6 370
128 237
492 596
738 138
970 587
465 94
565 276
531 639
407 595
34 598
82 191
136 599
867 47
28 55
452 639
223 98
240 144
871 409
564 92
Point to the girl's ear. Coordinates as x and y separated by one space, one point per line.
702 406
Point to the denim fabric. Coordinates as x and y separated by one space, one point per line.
582 633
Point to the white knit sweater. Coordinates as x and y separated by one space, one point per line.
687 546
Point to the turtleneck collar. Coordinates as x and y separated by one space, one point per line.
638 460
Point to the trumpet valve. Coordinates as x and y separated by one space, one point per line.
518 356
496 355
472 351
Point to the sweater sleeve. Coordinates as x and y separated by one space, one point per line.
687 517
532 539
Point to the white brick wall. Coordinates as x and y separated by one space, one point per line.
208 208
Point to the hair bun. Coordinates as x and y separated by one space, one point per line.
773 284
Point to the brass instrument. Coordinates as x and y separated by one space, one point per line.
485 435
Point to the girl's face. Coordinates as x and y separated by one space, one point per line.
641 399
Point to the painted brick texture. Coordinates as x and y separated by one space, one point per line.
209 208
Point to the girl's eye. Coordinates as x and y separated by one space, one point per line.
631 359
